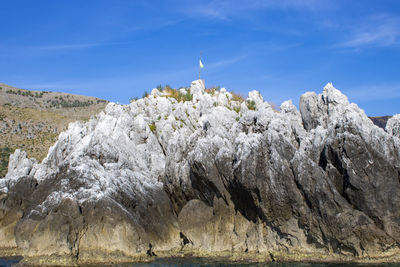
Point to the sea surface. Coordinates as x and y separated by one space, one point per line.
8 262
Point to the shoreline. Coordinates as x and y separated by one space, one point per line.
203 258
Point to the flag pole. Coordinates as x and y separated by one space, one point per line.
199 65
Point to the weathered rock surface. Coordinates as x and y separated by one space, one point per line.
210 177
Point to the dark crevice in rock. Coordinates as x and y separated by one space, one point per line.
206 126
205 189
272 257
311 239
244 201
347 185
398 172
177 197
150 251
343 182
224 180
184 239
323 161
162 147
80 234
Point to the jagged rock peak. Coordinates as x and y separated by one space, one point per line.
197 86
331 95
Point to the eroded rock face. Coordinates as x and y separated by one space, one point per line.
210 177
393 125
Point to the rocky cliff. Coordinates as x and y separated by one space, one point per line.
210 176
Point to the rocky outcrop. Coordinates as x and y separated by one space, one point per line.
210 177
393 125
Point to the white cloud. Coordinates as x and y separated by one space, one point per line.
76 46
228 9
376 31
226 62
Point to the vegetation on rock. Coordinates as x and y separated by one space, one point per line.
251 105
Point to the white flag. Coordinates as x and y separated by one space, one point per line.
201 64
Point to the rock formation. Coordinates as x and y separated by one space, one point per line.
209 177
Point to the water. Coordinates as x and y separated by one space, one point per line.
183 262
274 264
7 262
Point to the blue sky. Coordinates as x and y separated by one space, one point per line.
118 49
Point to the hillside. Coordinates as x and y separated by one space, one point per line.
380 121
32 120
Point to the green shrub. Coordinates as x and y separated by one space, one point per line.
251 105
4 157
210 91
153 127
176 94
70 104
132 99
237 97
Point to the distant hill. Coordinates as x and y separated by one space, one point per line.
32 120
380 121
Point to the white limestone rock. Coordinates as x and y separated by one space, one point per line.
197 88
19 165
183 91
393 125
256 97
